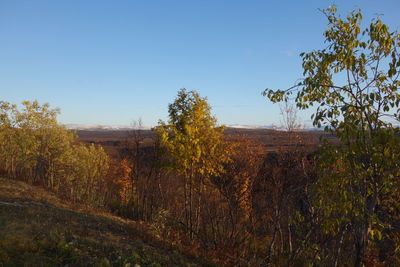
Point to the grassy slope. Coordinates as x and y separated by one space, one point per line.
37 229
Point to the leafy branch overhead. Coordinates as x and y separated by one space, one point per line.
357 74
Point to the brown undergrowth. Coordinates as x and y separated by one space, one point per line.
38 229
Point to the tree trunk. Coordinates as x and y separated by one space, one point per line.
271 248
289 238
361 243
338 247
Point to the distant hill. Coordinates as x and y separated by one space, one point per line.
37 229
100 127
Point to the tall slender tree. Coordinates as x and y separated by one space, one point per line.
354 82
195 144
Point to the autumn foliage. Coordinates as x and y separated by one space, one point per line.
224 196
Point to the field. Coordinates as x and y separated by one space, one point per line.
272 140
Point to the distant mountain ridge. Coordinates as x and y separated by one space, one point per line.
101 127
96 127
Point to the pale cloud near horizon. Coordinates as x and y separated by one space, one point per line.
288 52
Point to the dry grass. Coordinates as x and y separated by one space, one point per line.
38 229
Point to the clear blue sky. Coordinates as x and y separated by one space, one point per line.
109 62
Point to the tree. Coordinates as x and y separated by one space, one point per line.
8 146
141 186
33 143
195 145
33 146
354 82
91 168
290 121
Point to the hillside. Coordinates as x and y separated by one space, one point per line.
40 230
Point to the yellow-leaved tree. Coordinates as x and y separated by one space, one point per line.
354 82
197 151
34 147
